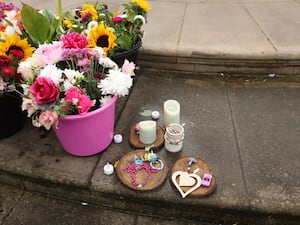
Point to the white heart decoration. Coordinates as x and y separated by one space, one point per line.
186 180
191 175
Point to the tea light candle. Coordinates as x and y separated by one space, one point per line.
155 115
147 134
108 169
171 112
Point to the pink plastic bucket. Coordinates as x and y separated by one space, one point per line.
88 134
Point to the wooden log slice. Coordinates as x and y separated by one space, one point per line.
155 180
137 144
182 165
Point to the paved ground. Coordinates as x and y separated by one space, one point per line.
246 129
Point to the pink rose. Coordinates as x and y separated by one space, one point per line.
74 40
48 118
44 90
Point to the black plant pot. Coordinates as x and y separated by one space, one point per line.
11 116
131 55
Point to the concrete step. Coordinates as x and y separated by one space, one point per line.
247 131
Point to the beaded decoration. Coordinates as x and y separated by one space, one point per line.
133 169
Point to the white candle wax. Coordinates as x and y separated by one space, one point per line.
171 112
147 134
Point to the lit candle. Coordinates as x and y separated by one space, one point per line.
147 134
171 112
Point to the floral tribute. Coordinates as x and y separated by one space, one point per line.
14 47
67 77
115 32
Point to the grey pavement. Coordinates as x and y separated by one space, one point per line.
246 130
242 121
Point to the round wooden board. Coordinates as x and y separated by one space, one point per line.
202 191
155 180
137 144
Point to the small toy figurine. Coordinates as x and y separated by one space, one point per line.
191 160
206 179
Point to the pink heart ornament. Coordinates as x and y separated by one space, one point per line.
193 176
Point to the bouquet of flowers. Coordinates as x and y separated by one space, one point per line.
114 32
14 47
68 77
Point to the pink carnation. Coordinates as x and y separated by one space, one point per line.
77 96
117 19
74 40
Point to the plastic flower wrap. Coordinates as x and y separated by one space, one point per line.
67 77
14 47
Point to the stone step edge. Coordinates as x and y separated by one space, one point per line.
158 208
222 66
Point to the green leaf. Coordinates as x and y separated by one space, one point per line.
125 42
35 24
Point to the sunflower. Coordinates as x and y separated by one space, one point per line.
142 4
89 9
102 37
14 42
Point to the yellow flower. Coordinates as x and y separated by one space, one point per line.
102 37
142 4
89 9
15 42
68 24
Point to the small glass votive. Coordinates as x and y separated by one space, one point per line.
174 136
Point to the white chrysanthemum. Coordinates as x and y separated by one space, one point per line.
67 85
73 75
52 72
108 63
116 83
29 68
140 17
104 100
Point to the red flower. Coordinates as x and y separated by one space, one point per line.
44 90
4 60
8 71
19 54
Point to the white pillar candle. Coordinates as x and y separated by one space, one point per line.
171 112
147 134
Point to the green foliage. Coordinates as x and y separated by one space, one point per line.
35 24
